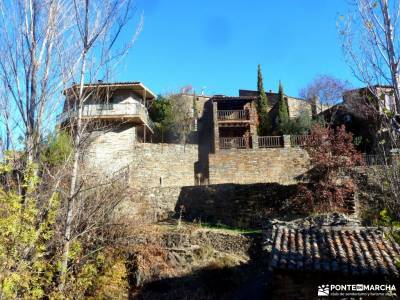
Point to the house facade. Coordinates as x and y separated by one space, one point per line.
235 120
362 112
225 147
115 116
124 102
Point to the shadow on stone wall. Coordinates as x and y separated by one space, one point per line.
236 205
205 134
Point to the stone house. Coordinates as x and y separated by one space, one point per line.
234 119
234 122
380 97
119 133
362 112
116 117
296 106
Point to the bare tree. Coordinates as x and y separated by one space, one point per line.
98 25
46 46
33 40
325 91
370 43
372 49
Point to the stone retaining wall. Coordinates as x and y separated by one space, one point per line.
229 204
282 165
150 165
110 150
168 165
163 165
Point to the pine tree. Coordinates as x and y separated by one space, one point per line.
283 112
264 125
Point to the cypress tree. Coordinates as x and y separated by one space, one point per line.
283 112
264 125
260 84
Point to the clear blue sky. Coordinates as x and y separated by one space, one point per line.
217 44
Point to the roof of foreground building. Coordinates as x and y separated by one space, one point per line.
336 247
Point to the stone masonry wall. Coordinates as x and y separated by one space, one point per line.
158 165
150 165
282 165
238 205
297 107
110 150
164 165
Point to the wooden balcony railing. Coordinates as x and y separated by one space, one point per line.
110 110
298 140
270 141
105 106
234 143
224 115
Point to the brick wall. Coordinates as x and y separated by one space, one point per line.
281 165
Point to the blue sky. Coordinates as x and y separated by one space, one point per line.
217 44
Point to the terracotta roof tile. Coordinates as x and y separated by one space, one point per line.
349 250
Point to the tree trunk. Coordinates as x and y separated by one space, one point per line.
391 52
74 179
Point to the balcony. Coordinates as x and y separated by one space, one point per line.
134 112
233 115
263 142
270 142
234 143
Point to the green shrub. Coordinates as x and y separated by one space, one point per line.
57 149
299 125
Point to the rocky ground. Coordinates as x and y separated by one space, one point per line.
193 262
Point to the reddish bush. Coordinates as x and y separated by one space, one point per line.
333 156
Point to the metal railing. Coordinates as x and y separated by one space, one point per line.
234 143
298 140
110 109
233 115
270 142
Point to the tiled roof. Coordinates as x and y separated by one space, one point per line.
122 84
344 249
